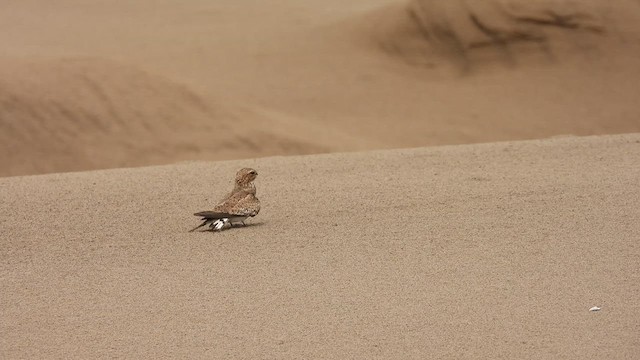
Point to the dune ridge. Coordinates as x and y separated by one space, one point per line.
86 113
477 33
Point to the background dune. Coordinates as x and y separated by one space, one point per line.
490 251
514 32
83 113
92 84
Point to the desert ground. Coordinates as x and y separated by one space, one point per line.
439 179
493 251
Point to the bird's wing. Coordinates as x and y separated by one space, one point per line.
213 215
249 205
241 203
229 202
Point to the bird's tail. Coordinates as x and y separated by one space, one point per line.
205 222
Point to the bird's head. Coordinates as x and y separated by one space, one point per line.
245 176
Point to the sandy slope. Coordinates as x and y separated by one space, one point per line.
477 251
305 76
88 113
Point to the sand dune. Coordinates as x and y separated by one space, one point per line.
491 251
87 113
296 77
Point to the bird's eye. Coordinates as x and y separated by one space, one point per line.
252 172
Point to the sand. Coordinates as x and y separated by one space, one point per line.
493 251
440 179
102 84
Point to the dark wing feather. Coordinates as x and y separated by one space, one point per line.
212 215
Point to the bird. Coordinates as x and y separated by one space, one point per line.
236 207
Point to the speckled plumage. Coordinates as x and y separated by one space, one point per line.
238 205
